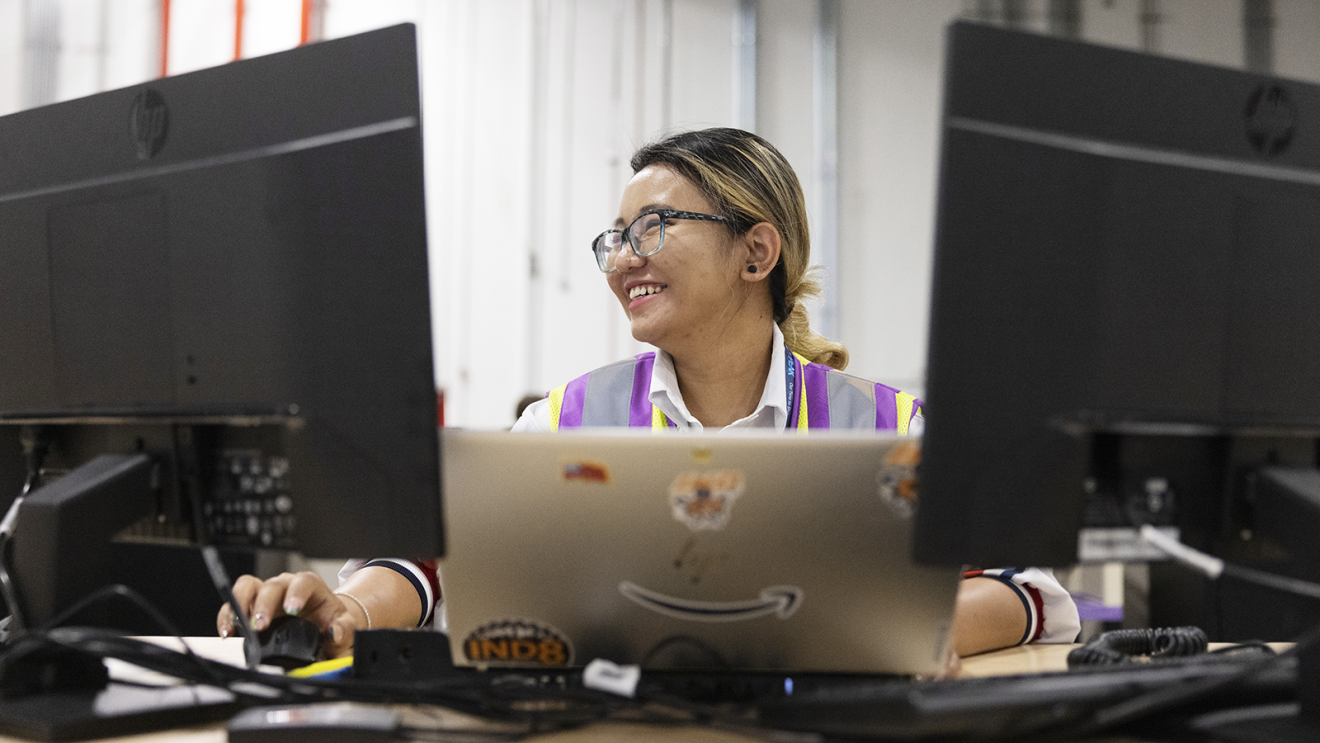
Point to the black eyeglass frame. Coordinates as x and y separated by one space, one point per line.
665 215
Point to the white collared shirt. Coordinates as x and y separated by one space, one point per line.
771 411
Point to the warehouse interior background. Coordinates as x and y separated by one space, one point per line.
533 107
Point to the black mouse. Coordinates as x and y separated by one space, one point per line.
290 642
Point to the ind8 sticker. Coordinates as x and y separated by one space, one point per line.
518 642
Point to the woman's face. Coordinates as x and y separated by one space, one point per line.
691 287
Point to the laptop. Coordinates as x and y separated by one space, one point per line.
755 551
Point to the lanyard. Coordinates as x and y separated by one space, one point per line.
789 379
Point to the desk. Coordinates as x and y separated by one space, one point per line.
1027 659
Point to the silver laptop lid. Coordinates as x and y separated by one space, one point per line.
748 551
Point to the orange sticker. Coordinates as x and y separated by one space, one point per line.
586 472
898 480
518 642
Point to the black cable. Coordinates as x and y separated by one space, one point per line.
1144 705
1257 646
121 591
1162 699
540 708
36 444
1120 646
17 622
105 593
215 567
489 695
35 447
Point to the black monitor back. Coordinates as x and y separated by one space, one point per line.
1126 247
227 270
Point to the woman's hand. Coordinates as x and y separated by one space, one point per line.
302 594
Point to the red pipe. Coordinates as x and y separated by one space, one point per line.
306 22
164 37
238 29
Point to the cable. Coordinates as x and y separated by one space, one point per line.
17 623
511 697
35 447
220 579
1119 646
1173 696
117 590
1214 567
1144 705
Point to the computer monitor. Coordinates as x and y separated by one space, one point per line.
1125 322
219 281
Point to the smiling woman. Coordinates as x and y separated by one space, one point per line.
723 302
710 259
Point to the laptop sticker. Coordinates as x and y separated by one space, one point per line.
518 642
704 500
781 601
693 562
897 478
586 472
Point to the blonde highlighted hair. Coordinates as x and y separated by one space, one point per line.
749 182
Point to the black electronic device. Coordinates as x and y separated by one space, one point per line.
1038 706
1124 325
290 642
215 319
339 723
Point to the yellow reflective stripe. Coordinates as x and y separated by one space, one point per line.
556 404
658 419
802 385
904 403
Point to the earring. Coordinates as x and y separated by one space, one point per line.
752 268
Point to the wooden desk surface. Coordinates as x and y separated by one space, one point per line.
1028 659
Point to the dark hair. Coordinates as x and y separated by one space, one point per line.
750 182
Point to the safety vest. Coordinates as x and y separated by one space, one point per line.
619 394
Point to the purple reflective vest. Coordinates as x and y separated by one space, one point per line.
619 394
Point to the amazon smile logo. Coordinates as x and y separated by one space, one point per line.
781 601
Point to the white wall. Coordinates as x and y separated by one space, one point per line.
890 68
11 56
1296 37
533 107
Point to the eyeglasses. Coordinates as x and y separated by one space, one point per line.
646 235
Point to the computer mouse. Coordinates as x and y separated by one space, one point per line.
290 642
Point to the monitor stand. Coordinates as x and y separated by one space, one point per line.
53 693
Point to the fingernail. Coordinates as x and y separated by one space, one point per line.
293 607
224 631
337 633
258 622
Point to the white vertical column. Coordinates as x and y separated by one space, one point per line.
744 65
41 51
825 104
667 63
11 56
1297 27
539 149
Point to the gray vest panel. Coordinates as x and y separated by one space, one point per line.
609 392
852 401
